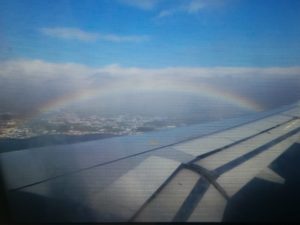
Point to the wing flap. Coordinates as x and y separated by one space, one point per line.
122 199
210 208
167 202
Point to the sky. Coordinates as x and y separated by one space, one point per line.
53 53
153 33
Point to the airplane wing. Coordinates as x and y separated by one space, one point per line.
184 174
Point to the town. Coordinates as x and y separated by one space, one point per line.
76 125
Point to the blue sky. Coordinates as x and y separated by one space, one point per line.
153 33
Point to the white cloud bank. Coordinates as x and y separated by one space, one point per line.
41 69
81 35
71 76
27 83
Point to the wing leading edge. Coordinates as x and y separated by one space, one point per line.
190 178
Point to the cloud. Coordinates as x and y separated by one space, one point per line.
43 70
117 38
78 34
69 33
189 7
25 84
201 72
168 12
141 4
195 6
170 7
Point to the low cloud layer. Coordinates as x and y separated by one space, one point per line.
25 84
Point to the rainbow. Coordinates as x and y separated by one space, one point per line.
123 87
